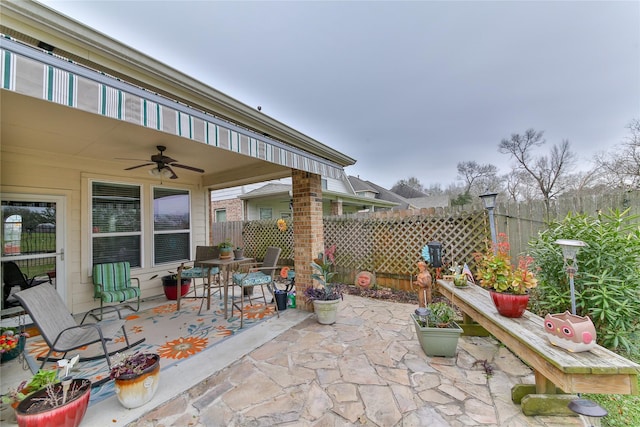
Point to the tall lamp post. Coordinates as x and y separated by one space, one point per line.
569 251
489 201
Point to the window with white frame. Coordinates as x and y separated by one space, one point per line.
116 232
221 215
171 225
266 213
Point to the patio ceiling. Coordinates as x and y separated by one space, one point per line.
32 125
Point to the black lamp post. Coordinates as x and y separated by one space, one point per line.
489 201
569 251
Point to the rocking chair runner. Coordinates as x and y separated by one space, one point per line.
60 330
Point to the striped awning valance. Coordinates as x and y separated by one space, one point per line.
39 74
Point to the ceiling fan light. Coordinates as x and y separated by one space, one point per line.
166 173
154 172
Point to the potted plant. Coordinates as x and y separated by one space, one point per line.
136 377
238 253
436 329
325 298
226 249
507 285
170 286
46 401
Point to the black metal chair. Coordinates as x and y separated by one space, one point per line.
13 276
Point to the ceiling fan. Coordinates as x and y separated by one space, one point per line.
163 165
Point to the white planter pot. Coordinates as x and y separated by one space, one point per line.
326 311
137 390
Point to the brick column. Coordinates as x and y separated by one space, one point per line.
336 207
308 229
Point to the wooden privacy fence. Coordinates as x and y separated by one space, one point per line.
390 243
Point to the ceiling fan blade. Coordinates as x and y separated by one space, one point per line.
173 174
139 166
191 168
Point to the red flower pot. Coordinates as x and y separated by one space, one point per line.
68 415
510 305
170 286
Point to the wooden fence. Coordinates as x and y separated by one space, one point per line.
390 243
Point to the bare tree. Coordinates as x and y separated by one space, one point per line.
476 176
620 168
409 188
546 170
519 185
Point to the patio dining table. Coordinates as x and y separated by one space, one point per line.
225 263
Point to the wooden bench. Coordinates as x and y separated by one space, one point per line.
556 370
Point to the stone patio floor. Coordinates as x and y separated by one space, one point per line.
366 369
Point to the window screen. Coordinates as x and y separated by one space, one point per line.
171 225
115 223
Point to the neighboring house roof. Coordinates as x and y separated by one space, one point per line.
441 201
271 189
275 189
382 193
407 191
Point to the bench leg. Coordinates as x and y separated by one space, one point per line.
471 328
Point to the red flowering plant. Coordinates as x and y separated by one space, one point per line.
496 272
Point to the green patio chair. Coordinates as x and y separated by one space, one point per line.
112 283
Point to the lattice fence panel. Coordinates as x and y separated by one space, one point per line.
258 235
391 245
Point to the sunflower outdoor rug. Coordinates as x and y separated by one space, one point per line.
175 336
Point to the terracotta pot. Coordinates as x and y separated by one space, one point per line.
68 415
510 305
226 253
136 390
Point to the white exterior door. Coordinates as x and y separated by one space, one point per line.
32 235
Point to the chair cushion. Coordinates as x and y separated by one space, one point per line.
199 272
120 295
251 279
113 276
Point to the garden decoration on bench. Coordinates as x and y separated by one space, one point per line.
508 286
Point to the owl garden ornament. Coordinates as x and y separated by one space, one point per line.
571 332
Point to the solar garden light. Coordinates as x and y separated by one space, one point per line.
489 201
569 250
423 314
589 410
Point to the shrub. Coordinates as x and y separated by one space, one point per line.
607 283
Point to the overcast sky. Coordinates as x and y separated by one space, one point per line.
405 88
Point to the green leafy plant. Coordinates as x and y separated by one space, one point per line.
496 272
226 244
38 381
607 283
323 267
441 314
